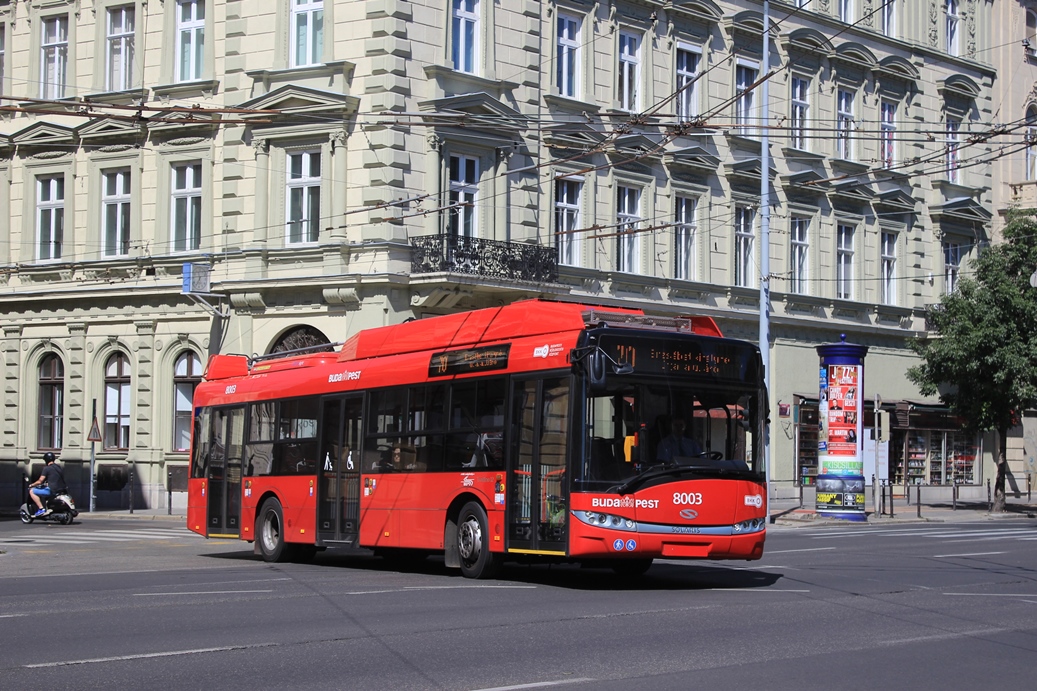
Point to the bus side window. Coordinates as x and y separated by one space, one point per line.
259 459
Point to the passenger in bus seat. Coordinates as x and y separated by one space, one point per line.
676 444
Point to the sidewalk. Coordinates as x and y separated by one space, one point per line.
789 513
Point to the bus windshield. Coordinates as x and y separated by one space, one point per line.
636 427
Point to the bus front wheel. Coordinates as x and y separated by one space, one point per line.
270 532
473 543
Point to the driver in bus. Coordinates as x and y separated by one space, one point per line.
676 444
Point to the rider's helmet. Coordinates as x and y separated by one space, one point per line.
49 457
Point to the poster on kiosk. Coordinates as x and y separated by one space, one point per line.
840 456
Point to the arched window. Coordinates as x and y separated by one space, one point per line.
117 403
51 403
187 372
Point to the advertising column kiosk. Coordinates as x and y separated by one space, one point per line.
840 457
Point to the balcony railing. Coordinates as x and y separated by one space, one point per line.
517 261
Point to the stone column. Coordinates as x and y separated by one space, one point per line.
434 170
338 187
261 215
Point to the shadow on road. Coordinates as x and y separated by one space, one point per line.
662 575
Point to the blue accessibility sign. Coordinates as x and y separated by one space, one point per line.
631 545
618 545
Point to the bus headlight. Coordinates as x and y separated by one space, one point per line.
753 525
606 520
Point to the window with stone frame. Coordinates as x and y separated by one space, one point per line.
952 12
799 255
120 49
187 374
684 225
953 254
116 201
464 35
568 193
117 403
190 40
186 206
307 33
888 267
50 418
628 228
628 70
302 197
952 147
844 261
463 196
799 125
53 56
688 58
887 133
745 243
745 98
50 216
569 55
845 123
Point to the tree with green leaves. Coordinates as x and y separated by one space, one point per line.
980 354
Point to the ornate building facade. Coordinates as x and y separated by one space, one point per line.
330 166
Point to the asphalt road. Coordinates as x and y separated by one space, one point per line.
134 604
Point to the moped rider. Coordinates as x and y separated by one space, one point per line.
50 482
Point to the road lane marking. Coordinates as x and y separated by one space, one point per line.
943 636
537 684
412 589
786 551
973 554
145 656
205 592
990 595
11 616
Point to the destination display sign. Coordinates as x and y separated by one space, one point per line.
688 356
485 359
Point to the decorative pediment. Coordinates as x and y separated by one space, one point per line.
964 209
852 190
476 110
747 170
959 86
111 129
700 10
44 134
807 181
637 144
293 99
895 200
810 41
694 157
894 70
579 136
179 119
854 56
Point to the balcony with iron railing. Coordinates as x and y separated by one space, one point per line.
517 261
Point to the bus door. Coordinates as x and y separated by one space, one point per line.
537 484
338 475
227 443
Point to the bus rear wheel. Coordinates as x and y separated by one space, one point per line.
270 532
473 546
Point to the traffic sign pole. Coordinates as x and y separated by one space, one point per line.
93 436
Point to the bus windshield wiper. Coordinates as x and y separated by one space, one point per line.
701 470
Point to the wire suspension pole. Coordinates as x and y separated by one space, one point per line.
765 240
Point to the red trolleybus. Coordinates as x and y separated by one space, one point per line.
535 430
